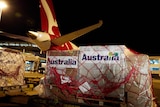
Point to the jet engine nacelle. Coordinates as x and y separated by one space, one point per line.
41 39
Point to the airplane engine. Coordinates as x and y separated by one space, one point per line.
42 39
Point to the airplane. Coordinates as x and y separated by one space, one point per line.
50 38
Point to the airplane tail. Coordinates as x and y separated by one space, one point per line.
48 18
50 37
49 25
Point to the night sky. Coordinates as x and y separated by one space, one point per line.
134 24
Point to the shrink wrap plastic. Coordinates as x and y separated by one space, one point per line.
99 72
12 67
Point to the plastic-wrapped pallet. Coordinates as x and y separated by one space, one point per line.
139 85
61 74
112 70
12 67
99 72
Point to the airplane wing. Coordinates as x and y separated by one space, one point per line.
50 36
45 41
73 35
18 37
58 41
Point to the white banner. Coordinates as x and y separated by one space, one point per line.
63 61
99 57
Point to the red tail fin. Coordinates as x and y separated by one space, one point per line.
48 18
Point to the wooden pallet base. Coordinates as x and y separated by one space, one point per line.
101 102
16 90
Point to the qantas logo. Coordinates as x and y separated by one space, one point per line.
51 19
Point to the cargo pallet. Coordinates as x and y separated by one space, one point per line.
66 98
16 90
25 96
91 102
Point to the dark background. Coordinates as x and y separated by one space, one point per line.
130 23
